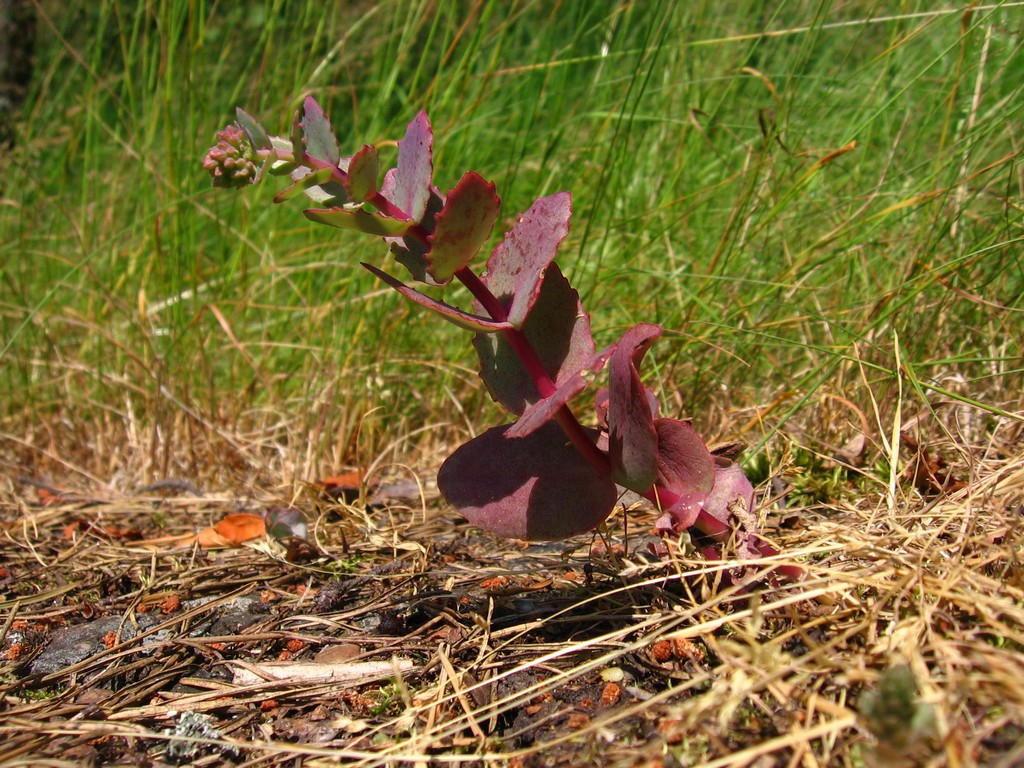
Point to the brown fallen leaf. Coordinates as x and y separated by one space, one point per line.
82 526
231 531
49 495
927 471
241 526
344 487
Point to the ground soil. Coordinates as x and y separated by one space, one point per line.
394 634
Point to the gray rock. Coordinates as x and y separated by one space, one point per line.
71 645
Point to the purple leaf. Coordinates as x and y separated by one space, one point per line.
415 169
732 502
685 467
515 270
462 226
358 219
632 439
732 496
558 330
363 168
447 311
601 404
535 488
317 133
542 411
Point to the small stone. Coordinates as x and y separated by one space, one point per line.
613 674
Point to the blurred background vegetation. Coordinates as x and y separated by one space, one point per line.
816 199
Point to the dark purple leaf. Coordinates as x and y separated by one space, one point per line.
601 404
515 270
358 219
462 226
558 330
318 134
447 311
538 413
685 467
363 168
536 488
415 169
632 439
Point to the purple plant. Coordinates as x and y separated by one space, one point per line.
545 475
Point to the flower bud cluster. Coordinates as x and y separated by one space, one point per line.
232 160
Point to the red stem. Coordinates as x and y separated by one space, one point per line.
541 378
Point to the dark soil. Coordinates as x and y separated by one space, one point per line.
397 635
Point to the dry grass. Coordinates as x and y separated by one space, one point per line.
450 647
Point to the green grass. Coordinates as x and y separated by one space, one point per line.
152 325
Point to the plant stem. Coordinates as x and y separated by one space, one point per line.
542 380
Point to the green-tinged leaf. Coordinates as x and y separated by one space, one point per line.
276 164
447 311
462 227
303 182
298 148
536 488
358 219
328 194
257 135
285 522
363 168
318 134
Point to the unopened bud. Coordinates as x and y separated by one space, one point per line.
232 160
